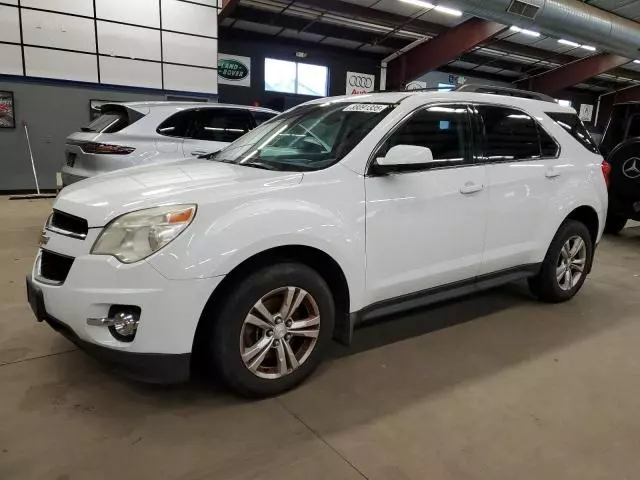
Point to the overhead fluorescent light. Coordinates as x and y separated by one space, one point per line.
636 61
524 31
568 42
437 8
588 47
448 11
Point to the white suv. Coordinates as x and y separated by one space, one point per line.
140 133
337 212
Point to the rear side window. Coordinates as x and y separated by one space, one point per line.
221 124
261 117
548 146
113 119
574 126
509 134
177 125
443 129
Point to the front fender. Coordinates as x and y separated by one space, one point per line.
223 237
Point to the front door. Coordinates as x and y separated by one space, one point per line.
425 227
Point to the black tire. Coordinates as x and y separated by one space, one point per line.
615 223
546 285
223 346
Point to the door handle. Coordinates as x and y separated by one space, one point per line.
199 153
552 173
470 188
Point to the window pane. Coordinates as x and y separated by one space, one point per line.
548 147
572 124
177 125
279 76
221 125
262 117
509 134
615 129
442 129
312 80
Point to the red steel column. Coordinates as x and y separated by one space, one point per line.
227 8
440 50
572 73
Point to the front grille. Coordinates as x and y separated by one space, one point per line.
54 267
67 224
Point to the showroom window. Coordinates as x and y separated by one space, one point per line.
443 129
293 77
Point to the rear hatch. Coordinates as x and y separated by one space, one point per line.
105 135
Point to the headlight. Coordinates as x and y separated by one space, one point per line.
136 235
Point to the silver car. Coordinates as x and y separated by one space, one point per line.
132 134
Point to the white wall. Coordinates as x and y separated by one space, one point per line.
433 79
160 44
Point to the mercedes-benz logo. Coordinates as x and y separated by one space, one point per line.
631 168
360 82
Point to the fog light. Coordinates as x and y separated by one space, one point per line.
122 322
125 326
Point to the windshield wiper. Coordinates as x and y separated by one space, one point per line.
256 164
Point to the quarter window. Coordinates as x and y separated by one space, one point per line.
221 124
177 125
574 126
509 134
443 129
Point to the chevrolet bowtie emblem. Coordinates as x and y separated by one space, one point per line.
44 239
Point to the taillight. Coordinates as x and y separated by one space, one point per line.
606 171
93 147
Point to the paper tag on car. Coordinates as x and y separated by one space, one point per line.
366 107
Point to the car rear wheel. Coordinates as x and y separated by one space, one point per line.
566 264
615 223
272 330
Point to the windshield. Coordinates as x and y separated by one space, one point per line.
310 137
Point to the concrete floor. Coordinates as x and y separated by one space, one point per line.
493 387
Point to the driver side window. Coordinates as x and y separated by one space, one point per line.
441 128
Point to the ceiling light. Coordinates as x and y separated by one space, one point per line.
524 31
636 61
448 11
568 42
588 47
437 8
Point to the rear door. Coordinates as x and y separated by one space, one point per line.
215 128
522 160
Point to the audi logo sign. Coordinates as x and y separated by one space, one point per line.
358 83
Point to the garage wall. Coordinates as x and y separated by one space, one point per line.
258 47
51 112
157 44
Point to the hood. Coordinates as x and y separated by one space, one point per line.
100 199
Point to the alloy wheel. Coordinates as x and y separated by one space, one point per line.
571 263
280 332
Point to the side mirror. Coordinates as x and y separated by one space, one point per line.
404 156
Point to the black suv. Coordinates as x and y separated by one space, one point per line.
621 148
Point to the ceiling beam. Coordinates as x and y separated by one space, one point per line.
228 6
572 73
440 50
298 24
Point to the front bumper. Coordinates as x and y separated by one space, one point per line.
170 310
146 367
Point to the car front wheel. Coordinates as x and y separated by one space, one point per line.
272 329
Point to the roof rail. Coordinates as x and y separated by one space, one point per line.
511 92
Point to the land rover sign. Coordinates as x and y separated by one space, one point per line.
234 70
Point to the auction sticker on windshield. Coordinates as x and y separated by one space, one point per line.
366 107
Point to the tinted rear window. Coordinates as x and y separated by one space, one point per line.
113 119
574 126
